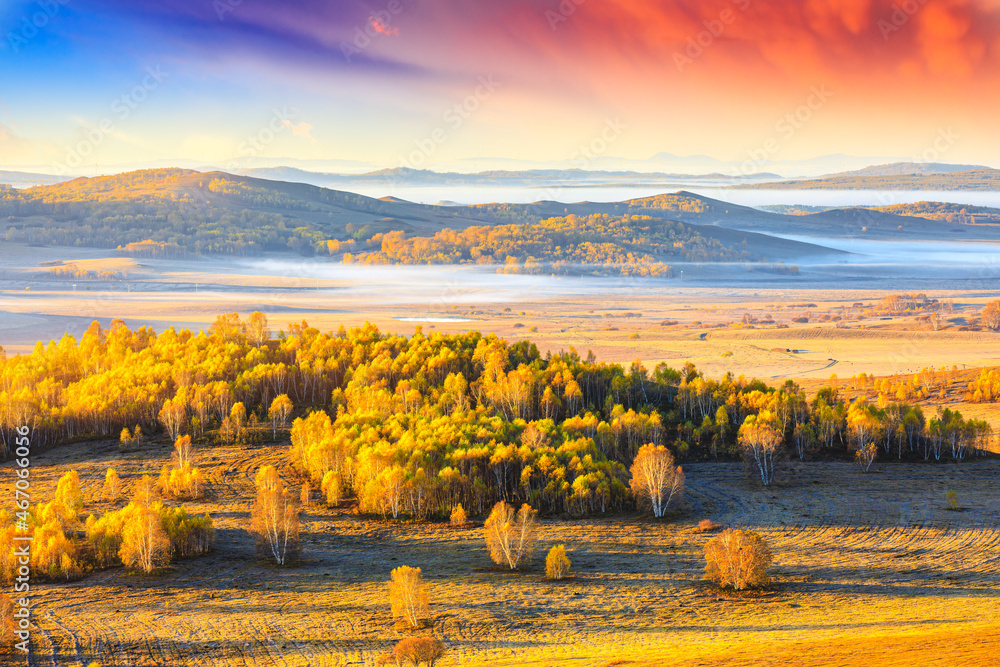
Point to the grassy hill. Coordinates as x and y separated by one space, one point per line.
187 211
172 212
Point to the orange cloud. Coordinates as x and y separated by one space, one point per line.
382 28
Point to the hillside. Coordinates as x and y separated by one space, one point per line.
173 212
210 212
697 209
978 179
186 211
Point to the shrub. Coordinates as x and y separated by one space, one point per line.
952 499
458 516
707 526
415 651
557 563
737 559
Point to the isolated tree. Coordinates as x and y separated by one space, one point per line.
557 563
112 486
275 517
991 315
145 544
408 595
458 516
866 455
279 412
655 478
305 495
510 535
738 559
760 441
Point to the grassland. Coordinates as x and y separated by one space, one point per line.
871 570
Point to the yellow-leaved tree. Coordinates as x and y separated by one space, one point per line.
738 559
656 480
274 520
145 545
510 534
408 595
112 486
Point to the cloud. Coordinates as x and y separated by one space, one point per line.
382 28
300 129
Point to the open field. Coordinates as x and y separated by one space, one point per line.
870 562
619 319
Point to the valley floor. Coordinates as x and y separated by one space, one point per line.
871 570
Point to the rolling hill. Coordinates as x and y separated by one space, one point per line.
183 212
220 213
975 179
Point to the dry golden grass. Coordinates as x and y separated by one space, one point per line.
871 570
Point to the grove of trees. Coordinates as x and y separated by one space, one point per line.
415 426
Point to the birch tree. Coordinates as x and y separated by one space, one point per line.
145 544
275 517
655 478
408 595
510 535
761 442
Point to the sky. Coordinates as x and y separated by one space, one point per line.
432 83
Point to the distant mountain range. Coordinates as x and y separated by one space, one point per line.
403 176
24 179
892 177
188 211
